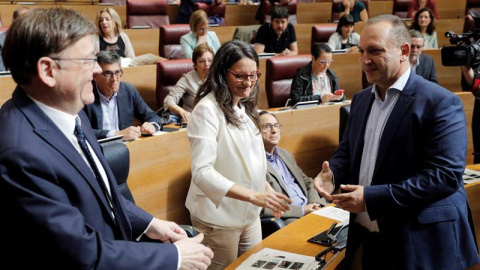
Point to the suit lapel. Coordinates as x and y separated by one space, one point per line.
404 101
277 177
122 102
97 106
49 132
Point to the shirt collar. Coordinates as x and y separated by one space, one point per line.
399 84
103 98
64 121
272 157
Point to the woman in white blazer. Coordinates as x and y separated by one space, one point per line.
229 168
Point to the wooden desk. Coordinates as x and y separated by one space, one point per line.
144 40
473 193
293 238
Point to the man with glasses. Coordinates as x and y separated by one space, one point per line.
64 208
284 175
422 64
316 81
116 103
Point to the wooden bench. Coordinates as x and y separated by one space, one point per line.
320 12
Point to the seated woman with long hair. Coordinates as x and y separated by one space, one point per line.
424 21
110 34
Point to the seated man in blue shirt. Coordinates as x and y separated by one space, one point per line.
277 37
284 175
116 103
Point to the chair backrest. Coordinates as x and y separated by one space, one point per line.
471 4
170 35
118 159
280 73
469 23
292 11
322 32
168 73
335 10
152 13
400 8
212 10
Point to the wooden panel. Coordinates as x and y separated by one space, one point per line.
314 12
90 11
224 33
236 15
445 25
376 8
448 9
262 100
6 11
349 72
448 77
144 40
144 78
304 37
7 85
172 12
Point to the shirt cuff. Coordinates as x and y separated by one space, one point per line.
111 133
156 125
179 257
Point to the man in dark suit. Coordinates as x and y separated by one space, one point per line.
422 64
400 163
116 103
284 175
63 206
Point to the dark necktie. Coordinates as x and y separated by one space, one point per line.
112 201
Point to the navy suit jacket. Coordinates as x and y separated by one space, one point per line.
54 210
426 68
130 104
416 194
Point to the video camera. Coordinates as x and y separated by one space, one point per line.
467 49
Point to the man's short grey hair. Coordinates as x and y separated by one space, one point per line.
416 34
108 57
399 33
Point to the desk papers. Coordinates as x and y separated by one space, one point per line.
333 212
272 259
471 176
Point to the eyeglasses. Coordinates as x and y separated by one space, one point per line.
203 29
92 61
203 61
109 75
268 126
241 77
325 62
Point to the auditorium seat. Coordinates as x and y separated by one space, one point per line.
168 73
170 35
400 8
322 32
149 13
335 10
212 10
278 80
292 11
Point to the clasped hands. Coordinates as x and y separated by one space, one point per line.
351 200
133 132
